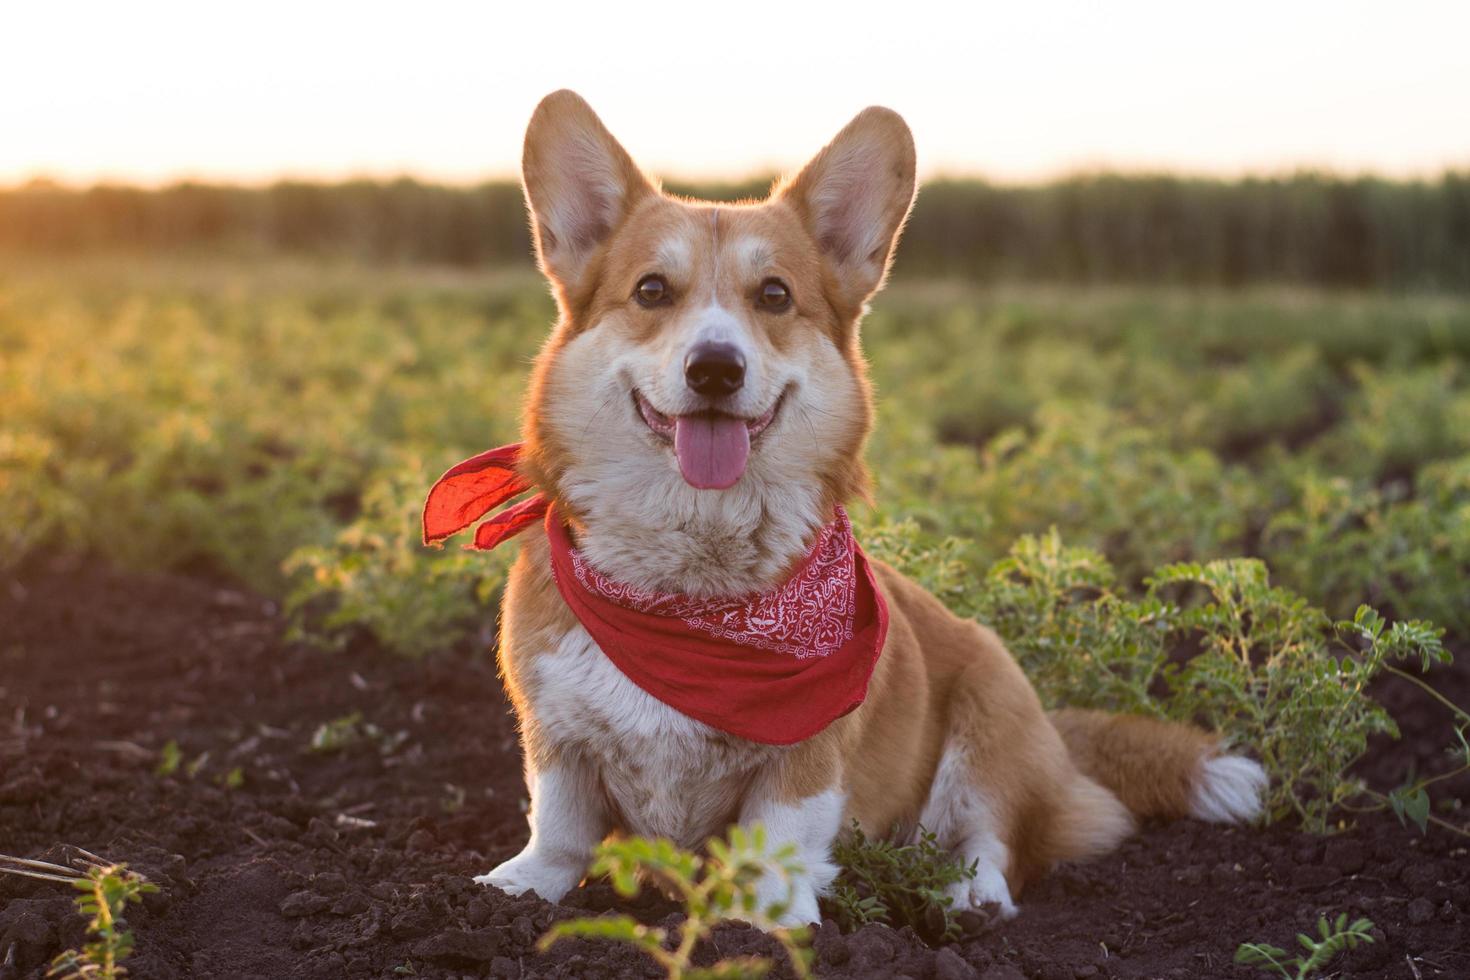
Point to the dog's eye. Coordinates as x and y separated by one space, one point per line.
651 291
773 296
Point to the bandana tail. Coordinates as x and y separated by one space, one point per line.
470 490
510 522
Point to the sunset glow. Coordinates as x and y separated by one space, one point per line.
164 90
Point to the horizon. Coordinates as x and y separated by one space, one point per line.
152 95
45 182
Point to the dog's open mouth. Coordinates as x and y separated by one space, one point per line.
712 447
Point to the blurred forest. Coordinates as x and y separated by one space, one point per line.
1304 229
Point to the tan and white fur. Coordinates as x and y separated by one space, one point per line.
952 736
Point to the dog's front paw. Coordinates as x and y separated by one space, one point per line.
528 871
802 908
985 894
797 895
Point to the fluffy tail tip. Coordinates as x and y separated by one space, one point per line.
1228 790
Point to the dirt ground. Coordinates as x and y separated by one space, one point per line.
357 862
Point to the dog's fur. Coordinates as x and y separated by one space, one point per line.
951 736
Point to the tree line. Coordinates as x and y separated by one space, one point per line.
1105 228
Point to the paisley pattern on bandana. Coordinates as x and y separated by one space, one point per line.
811 615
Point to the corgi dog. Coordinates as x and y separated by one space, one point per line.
695 422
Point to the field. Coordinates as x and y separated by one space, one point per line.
209 479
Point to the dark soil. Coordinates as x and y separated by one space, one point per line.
357 862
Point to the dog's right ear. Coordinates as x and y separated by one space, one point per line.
580 184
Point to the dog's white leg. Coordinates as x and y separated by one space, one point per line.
568 820
962 820
812 824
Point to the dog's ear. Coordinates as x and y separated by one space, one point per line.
854 196
579 182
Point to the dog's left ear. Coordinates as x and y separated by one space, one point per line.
854 197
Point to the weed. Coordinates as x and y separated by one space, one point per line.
337 734
1254 661
713 888
897 884
1353 542
107 892
1277 675
350 729
376 575
1332 939
197 764
453 799
169 759
171 762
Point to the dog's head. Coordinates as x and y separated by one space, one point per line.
705 377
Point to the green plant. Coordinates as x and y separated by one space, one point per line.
719 886
350 729
1410 802
107 892
376 574
1351 542
337 734
1082 641
169 759
1215 643
1334 938
897 884
1281 677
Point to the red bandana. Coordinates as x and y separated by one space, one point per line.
775 667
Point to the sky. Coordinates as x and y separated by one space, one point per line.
155 90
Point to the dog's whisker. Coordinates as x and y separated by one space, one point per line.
816 439
593 418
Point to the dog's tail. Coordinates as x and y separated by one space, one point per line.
1162 769
1159 769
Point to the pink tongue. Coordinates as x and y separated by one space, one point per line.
712 450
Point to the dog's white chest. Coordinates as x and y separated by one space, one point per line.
666 774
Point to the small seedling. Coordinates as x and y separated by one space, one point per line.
169 759
1336 937
197 764
107 889
348 730
720 886
337 734
453 799
897 885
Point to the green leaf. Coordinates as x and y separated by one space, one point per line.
1411 803
611 927
337 734
169 758
1266 956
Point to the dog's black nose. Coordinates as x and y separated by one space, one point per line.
714 369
